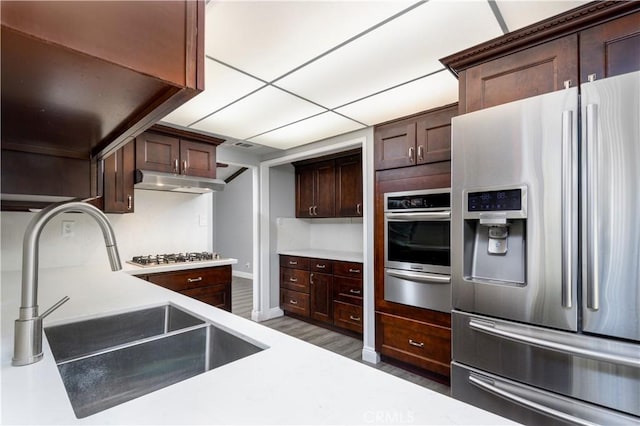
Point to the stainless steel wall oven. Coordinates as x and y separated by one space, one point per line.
416 248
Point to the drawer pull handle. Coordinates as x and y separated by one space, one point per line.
321 266
194 280
293 280
354 271
293 302
352 291
352 318
416 344
291 262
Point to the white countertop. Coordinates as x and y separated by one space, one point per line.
346 256
291 382
143 270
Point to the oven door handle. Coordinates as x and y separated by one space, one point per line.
420 277
413 216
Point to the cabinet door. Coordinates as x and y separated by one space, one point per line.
611 48
197 159
325 189
321 294
305 188
157 152
218 296
349 186
534 71
395 145
118 180
433 138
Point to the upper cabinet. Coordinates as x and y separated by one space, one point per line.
601 39
81 79
329 186
418 139
169 150
118 180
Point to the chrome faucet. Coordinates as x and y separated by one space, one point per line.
28 326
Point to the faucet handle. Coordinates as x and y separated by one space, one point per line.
55 306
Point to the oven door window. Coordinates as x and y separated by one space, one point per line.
419 242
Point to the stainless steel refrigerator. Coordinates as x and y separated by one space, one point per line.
545 256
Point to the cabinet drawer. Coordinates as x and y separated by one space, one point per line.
218 296
294 279
348 290
294 301
425 345
295 262
321 265
347 316
347 269
192 278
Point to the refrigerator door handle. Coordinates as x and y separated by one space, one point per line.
569 207
592 261
494 329
490 385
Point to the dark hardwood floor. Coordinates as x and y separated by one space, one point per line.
242 298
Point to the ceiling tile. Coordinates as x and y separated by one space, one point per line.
518 14
269 38
310 130
223 85
261 112
401 50
429 92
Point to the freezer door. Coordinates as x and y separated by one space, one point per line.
529 144
526 404
611 206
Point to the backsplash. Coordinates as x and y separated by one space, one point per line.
162 222
342 234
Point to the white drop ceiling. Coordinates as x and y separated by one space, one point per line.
281 74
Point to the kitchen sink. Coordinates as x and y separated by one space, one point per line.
113 359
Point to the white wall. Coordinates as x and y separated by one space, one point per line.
342 234
233 224
163 222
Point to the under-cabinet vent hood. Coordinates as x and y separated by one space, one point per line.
158 181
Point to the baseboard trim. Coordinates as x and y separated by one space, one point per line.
241 274
259 316
370 355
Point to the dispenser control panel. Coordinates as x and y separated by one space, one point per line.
486 201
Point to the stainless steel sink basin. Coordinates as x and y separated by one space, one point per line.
109 360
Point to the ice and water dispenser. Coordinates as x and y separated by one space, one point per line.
495 241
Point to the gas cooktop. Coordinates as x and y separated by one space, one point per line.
171 258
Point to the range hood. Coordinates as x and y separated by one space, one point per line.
158 181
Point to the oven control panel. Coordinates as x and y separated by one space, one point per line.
418 201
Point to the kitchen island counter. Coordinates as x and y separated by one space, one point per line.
290 382
170 267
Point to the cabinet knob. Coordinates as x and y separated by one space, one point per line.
412 158
310 212
184 167
194 280
315 210
416 344
320 266
175 166
352 318
354 271
129 202
420 153
293 280
311 279
353 291
293 302
293 262
358 211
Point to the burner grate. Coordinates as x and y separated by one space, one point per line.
169 258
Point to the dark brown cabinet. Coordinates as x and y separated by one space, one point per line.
118 180
315 189
324 292
600 39
419 139
209 285
329 186
348 193
118 69
167 150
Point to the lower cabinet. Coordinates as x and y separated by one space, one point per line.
324 292
421 344
209 285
